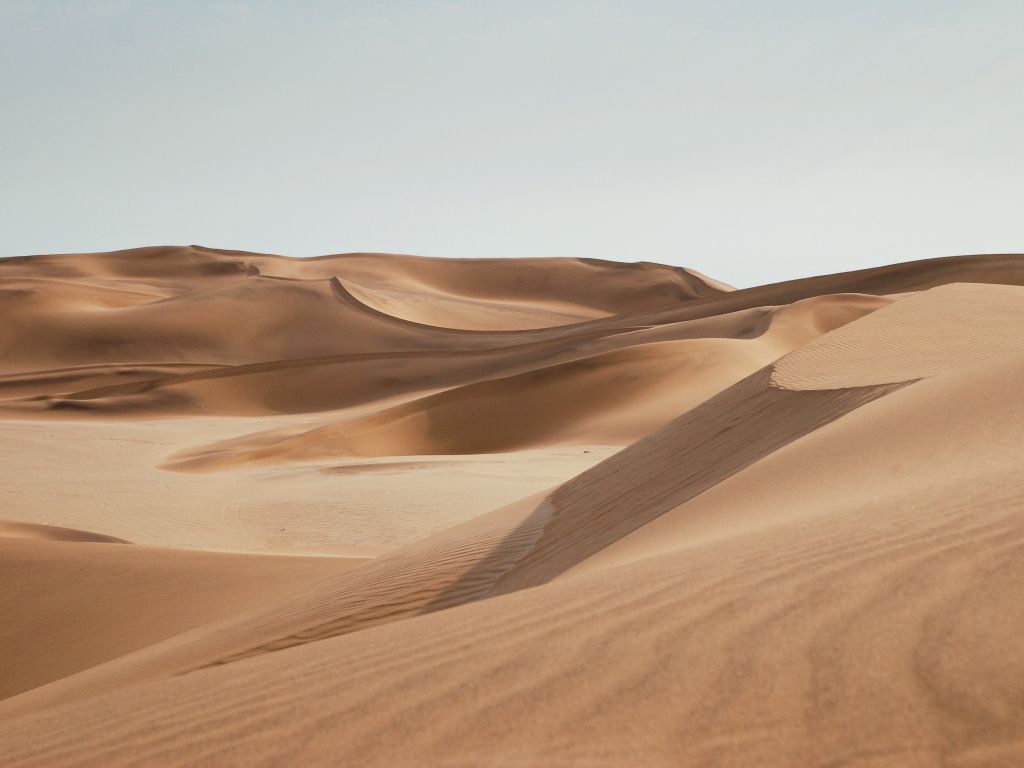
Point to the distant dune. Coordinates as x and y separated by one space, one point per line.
387 510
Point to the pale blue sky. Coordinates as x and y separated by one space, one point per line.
754 140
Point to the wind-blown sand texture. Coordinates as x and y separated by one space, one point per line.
385 510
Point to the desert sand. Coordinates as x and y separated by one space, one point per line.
372 509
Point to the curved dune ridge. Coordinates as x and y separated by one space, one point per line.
953 326
389 510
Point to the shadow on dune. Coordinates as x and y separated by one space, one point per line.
696 451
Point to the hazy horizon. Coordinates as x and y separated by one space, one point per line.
752 143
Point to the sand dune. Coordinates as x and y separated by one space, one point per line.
68 606
388 510
10 530
955 326
839 643
613 397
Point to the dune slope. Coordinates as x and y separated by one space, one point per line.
68 606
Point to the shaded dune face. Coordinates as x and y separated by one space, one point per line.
388 510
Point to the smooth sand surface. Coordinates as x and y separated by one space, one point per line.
386 510
54 625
